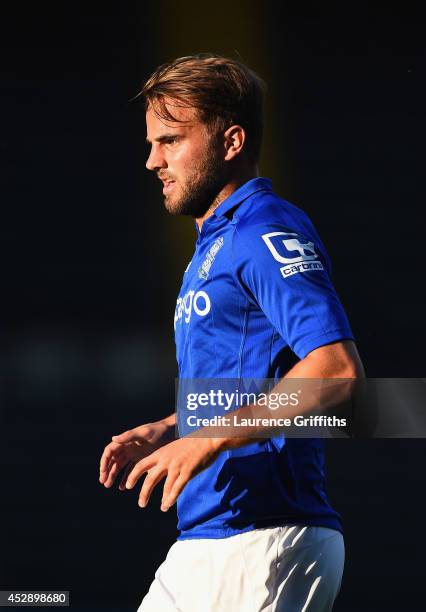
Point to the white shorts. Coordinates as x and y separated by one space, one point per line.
279 569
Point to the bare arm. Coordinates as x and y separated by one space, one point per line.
338 360
182 459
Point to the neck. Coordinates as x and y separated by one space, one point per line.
231 186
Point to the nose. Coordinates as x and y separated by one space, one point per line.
155 159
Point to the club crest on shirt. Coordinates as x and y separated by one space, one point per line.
204 269
288 249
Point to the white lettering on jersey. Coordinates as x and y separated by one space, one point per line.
198 302
306 250
302 267
302 262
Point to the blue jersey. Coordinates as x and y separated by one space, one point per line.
255 297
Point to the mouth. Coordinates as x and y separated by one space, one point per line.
168 186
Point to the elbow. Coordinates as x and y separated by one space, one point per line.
352 369
336 360
353 373
349 361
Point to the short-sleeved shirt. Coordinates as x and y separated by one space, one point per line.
256 297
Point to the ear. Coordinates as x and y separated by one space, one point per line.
234 139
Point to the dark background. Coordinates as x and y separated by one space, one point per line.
92 263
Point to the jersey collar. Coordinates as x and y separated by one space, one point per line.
242 193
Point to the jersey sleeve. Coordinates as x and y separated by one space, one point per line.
287 275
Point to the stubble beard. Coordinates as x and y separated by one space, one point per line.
200 191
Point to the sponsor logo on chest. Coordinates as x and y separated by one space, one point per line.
198 302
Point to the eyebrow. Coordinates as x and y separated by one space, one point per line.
164 138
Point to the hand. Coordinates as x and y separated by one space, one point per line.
128 448
179 461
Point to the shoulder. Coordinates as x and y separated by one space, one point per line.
266 213
266 210
266 224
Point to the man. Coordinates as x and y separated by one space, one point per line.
257 531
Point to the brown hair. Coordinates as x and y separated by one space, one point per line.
224 92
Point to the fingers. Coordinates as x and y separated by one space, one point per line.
126 436
152 478
140 468
109 451
105 459
111 454
173 487
113 471
129 468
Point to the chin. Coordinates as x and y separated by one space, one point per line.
171 206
